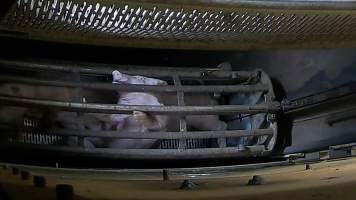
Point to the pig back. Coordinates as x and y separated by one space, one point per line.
14 115
194 122
189 99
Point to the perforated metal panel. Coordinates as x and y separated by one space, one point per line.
223 25
31 134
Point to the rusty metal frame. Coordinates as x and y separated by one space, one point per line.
256 81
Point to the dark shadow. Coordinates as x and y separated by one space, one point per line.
285 123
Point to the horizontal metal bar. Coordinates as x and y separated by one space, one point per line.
146 154
163 135
225 171
141 88
340 117
127 109
321 97
345 102
106 69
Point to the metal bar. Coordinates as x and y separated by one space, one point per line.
321 97
146 154
142 88
340 117
127 109
342 103
180 94
162 135
80 99
106 69
180 102
343 146
222 142
152 174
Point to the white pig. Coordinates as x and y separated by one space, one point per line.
137 122
197 122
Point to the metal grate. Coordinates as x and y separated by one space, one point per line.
201 24
31 134
189 144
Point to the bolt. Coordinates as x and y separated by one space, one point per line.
64 192
308 167
39 181
15 171
165 175
25 175
256 180
188 185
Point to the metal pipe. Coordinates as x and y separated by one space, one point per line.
106 69
163 135
182 120
224 171
340 117
146 154
140 88
128 109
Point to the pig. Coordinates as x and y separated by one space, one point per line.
137 122
120 78
196 122
142 122
14 116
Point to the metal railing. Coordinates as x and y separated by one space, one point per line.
261 84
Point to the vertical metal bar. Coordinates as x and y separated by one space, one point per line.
81 142
222 142
78 89
182 121
80 99
165 175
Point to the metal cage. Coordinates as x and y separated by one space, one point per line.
188 144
